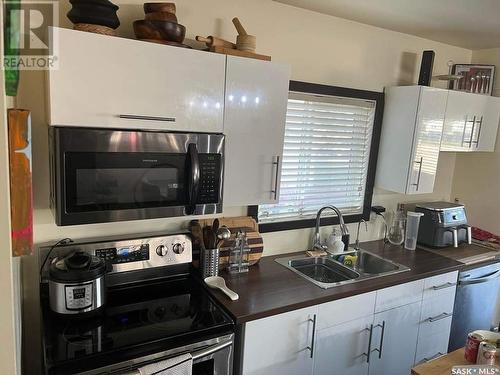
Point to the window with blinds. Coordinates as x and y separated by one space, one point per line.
325 157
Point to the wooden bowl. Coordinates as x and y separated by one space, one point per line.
159 7
144 30
161 16
171 31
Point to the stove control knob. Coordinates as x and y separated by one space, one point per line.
178 248
161 250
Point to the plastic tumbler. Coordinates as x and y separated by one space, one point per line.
412 223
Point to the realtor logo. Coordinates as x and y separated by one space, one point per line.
28 43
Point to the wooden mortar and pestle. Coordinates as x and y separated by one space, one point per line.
244 42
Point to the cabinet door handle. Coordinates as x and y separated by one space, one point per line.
313 336
420 162
438 317
480 126
427 359
381 343
148 118
369 343
469 142
276 176
465 128
443 286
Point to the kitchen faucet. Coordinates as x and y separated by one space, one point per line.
356 244
343 228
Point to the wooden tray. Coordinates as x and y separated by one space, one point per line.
236 52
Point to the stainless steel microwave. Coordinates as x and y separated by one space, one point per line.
102 175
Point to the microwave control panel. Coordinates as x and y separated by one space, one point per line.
210 171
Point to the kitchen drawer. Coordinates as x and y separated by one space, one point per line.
438 304
346 310
399 295
433 339
437 285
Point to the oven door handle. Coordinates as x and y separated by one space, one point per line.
211 349
193 178
197 355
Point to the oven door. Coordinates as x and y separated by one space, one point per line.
211 357
109 175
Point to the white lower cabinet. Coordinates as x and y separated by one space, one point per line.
343 349
394 340
281 344
378 333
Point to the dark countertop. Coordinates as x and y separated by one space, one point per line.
269 288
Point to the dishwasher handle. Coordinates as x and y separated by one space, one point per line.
479 280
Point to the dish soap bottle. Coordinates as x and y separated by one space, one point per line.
334 242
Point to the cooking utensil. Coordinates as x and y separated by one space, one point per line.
161 16
473 84
206 237
223 233
159 7
197 233
217 282
215 226
212 41
479 82
244 42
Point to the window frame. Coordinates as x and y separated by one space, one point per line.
320 89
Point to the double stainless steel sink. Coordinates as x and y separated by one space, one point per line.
344 268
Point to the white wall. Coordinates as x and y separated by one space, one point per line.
320 48
477 176
9 353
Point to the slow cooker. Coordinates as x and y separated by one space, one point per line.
76 284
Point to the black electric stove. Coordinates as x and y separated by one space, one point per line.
139 319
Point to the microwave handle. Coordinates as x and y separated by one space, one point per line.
193 176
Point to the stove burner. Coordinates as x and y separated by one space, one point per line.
136 317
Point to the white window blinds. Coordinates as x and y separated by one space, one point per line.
325 157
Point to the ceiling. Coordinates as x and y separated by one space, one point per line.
472 24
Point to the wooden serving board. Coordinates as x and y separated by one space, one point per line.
236 52
245 224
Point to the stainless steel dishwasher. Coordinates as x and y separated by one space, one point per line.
475 302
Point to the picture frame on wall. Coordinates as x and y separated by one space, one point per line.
476 78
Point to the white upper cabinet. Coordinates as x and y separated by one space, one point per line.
105 81
471 122
411 137
254 125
